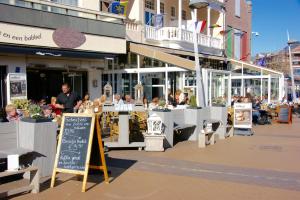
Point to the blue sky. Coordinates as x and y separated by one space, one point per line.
272 18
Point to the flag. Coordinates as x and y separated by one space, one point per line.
119 7
262 62
159 21
124 4
200 25
215 26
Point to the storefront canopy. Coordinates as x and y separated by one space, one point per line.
162 56
52 52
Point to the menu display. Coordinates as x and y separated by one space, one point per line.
74 143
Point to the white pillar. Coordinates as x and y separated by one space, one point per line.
138 69
113 76
208 21
281 87
158 7
261 84
210 88
269 88
242 81
179 13
166 83
229 90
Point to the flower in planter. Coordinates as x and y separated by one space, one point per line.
35 111
22 104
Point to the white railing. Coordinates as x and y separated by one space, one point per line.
176 34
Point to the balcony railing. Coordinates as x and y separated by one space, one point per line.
64 9
176 34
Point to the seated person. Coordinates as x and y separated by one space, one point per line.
12 114
56 110
47 112
154 103
117 100
128 99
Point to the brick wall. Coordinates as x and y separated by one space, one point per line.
242 23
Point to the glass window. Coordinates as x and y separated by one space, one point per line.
67 2
23 4
237 8
149 18
162 8
173 11
297 72
149 4
183 14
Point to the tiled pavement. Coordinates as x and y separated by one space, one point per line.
263 166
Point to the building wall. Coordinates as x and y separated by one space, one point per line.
242 23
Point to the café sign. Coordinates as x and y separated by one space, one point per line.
65 37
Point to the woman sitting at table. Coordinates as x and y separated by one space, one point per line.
12 114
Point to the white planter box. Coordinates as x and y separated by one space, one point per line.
154 142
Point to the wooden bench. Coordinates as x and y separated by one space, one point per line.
34 185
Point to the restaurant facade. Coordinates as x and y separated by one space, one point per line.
53 43
153 44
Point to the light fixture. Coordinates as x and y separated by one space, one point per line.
255 33
194 4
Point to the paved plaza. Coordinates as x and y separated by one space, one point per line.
263 166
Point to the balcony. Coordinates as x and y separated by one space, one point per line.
180 35
50 15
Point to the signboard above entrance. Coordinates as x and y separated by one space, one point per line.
49 38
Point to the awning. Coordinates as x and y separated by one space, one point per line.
52 52
162 56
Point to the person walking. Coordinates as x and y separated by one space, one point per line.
68 101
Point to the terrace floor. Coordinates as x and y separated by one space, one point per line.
263 166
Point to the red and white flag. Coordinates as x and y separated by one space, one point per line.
200 26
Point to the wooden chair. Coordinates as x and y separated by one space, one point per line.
113 119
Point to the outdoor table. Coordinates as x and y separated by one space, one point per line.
123 137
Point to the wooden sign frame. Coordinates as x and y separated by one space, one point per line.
103 167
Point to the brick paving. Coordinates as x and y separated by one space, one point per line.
263 166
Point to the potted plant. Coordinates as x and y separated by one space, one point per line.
35 115
22 106
162 107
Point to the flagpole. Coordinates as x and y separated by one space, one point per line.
291 68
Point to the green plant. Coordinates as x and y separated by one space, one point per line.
193 102
21 104
161 103
35 111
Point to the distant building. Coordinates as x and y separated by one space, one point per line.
280 61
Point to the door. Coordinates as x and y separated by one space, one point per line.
3 75
75 81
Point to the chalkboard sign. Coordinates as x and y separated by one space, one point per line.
284 114
74 143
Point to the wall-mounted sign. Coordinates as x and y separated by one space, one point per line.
68 38
17 86
242 115
64 37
